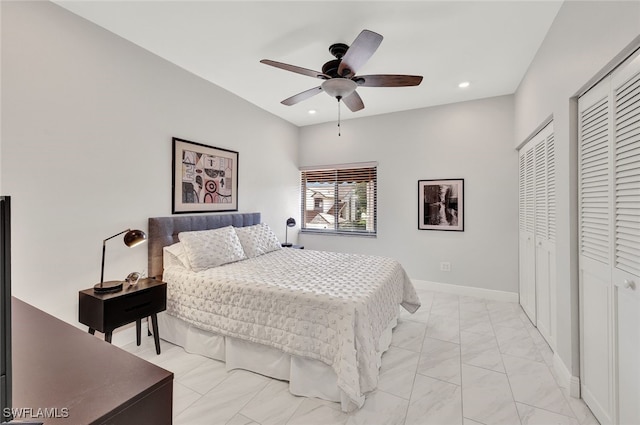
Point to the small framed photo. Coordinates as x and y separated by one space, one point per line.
441 204
205 178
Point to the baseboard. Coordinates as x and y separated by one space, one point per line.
487 294
566 379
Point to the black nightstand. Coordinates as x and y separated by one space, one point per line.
293 246
106 312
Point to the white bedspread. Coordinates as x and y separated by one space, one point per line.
323 305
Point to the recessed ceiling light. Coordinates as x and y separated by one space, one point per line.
464 84
312 111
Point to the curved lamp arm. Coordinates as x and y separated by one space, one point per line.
131 239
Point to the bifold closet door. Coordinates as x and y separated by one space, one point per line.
545 245
526 252
595 295
626 248
537 221
609 228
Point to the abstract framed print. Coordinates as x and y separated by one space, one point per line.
204 178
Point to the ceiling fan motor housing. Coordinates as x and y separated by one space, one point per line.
338 50
331 68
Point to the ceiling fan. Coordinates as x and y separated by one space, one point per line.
339 75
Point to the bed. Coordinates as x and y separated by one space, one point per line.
319 320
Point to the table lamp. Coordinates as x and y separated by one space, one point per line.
131 239
290 223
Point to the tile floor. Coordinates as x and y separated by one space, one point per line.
458 360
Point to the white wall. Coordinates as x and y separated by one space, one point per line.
470 140
584 38
87 122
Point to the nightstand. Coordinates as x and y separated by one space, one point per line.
293 246
106 312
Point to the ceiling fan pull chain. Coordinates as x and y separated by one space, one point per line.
339 117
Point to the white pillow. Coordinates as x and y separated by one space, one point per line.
174 255
211 248
257 240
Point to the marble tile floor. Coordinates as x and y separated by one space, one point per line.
457 361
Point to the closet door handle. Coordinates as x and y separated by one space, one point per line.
629 284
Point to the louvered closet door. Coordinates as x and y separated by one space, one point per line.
537 231
527 255
545 250
595 294
626 246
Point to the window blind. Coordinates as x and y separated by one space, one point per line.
339 199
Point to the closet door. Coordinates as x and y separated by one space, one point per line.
527 255
595 228
537 231
545 250
610 246
626 249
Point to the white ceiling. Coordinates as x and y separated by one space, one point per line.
488 43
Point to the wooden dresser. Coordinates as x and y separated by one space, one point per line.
80 379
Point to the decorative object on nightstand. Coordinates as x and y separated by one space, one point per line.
132 278
131 239
105 312
290 223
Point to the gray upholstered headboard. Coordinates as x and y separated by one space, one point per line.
163 231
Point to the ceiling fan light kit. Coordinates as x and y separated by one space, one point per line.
339 74
339 87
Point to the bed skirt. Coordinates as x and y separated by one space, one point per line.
307 377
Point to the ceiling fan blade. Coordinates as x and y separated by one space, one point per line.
302 96
362 48
353 102
296 69
383 80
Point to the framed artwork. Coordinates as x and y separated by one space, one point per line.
205 178
441 204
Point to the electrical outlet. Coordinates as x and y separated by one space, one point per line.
445 266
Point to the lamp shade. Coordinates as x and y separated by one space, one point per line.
134 237
291 222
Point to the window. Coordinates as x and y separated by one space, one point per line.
339 199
